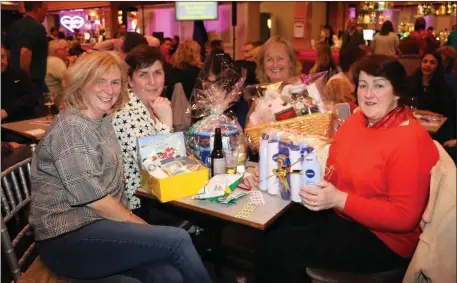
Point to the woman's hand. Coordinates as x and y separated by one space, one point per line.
451 143
162 109
325 196
255 176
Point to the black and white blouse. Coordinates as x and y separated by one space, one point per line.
131 122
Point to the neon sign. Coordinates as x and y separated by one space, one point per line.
72 22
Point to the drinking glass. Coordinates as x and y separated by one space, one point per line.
48 98
231 160
412 102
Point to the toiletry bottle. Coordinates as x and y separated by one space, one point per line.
263 160
311 170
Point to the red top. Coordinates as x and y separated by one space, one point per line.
386 173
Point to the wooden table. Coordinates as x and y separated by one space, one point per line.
261 218
431 124
34 128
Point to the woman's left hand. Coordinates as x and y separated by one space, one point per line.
162 109
325 196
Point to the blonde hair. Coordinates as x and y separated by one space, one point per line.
88 69
295 66
187 54
56 44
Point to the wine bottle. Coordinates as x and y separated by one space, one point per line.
217 155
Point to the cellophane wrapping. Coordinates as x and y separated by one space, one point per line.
218 87
280 106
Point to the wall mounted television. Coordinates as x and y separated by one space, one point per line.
192 11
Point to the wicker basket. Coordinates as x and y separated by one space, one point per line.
314 124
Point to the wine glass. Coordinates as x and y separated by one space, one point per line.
412 102
48 98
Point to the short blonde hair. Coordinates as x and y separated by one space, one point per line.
56 44
88 69
295 66
187 54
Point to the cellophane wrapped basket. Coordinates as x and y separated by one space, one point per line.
217 88
317 118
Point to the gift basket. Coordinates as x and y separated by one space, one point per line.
166 170
303 108
217 88
289 160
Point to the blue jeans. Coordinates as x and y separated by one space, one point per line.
104 248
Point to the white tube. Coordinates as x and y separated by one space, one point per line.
295 184
272 181
263 167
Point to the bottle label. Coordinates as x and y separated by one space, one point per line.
218 166
310 173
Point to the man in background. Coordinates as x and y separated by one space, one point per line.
122 31
427 39
352 38
174 44
248 47
165 47
452 38
27 42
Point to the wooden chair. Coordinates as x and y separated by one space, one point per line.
16 237
434 260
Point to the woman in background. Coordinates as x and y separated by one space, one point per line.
341 87
435 97
386 41
324 61
329 36
186 65
276 62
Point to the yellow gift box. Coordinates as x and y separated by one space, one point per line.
175 187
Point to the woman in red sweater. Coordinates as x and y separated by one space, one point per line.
365 216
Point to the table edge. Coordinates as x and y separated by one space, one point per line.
216 214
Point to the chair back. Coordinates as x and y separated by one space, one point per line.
179 105
343 111
17 241
434 259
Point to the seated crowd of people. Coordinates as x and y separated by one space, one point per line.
364 217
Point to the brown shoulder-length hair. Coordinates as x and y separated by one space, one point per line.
88 69
295 66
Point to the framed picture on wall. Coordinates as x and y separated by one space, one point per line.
299 29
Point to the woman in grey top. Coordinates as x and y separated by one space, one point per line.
386 41
82 228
